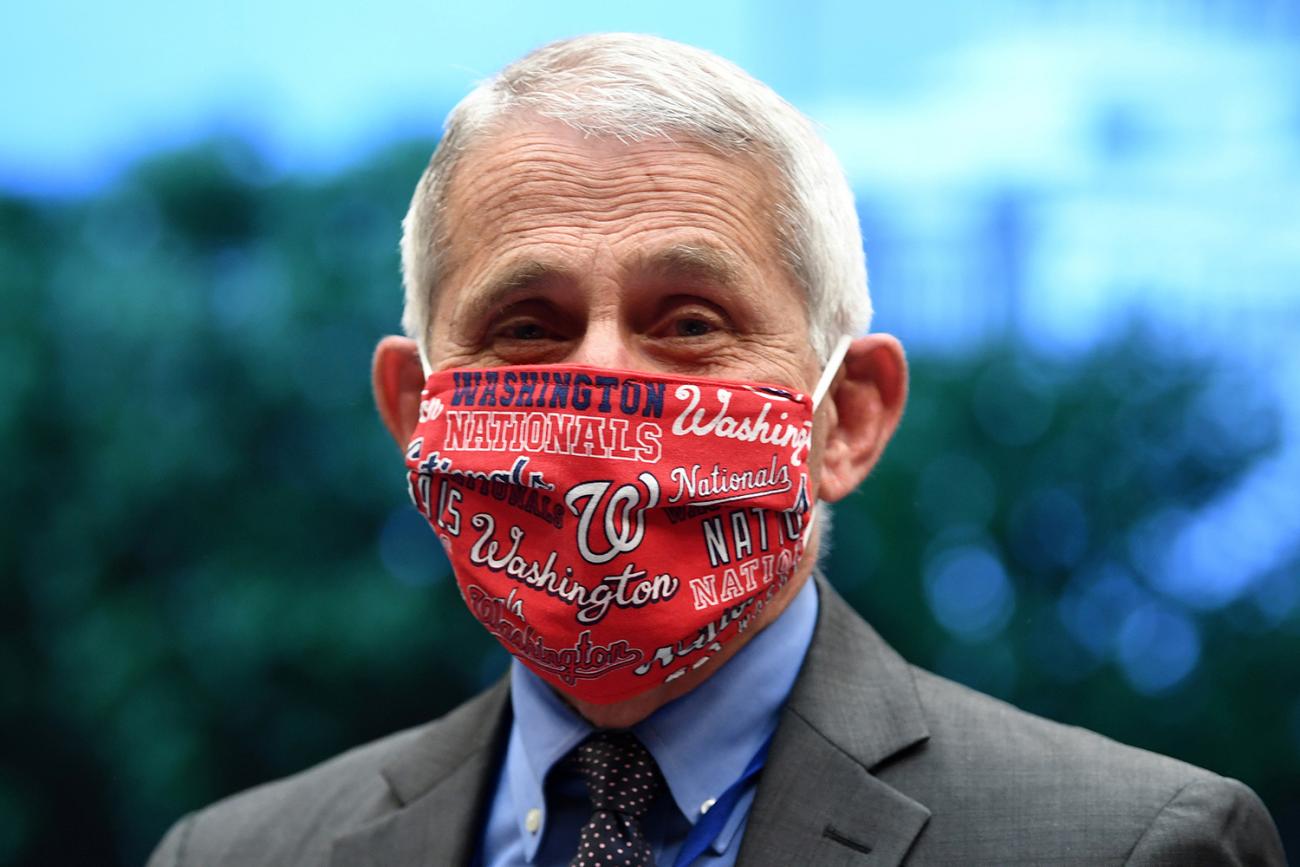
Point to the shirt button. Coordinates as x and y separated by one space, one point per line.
533 820
705 807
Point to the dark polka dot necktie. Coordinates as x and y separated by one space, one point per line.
623 781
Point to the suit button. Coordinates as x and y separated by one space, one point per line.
533 820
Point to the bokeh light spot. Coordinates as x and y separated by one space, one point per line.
1158 648
969 593
1276 597
1049 529
1095 604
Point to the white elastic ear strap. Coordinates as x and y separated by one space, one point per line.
823 385
832 366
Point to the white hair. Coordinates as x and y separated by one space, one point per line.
633 88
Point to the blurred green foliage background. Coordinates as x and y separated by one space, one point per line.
212 575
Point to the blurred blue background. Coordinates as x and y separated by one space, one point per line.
1082 219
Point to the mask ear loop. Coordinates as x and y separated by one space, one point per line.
832 367
823 385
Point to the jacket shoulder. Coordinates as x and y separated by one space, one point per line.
294 820
993 774
271 823
974 731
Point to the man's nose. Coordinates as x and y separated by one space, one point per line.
605 344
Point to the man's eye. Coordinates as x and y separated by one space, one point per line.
524 331
692 326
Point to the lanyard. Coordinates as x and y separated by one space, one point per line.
710 825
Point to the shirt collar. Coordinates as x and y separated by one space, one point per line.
544 731
702 741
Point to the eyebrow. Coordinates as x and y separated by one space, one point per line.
693 262
514 279
676 262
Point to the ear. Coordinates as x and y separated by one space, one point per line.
867 400
398 379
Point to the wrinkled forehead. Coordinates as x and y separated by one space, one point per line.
528 174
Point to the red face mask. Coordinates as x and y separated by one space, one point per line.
613 529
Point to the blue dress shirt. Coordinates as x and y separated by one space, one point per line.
702 742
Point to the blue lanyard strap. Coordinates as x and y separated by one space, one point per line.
710 825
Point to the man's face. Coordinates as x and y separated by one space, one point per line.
654 256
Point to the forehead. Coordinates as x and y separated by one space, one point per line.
544 195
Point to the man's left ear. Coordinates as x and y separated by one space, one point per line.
868 395
398 379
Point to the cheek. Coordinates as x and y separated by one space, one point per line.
823 422
445 354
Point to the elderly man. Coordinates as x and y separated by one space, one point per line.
633 283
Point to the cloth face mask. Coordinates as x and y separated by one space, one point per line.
613 529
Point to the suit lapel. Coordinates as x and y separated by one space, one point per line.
441 782
853 707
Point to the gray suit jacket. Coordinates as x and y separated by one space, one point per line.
875 762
